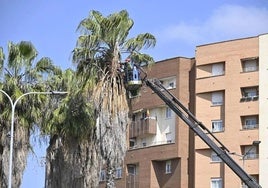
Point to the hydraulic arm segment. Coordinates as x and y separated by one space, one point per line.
200 130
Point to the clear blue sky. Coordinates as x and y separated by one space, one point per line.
179 27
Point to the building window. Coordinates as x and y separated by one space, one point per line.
168 167
217 69
250 152
143 141
102 176
132 169
215 157
216 183
217 98
250 65
118 173
169 83
217 126
250 122
169 137
134 117
168 112
249 93
132 143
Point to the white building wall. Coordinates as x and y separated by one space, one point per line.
164 126
263 109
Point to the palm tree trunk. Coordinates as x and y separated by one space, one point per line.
112 107
20 153
71 163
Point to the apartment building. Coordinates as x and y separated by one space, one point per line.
231 100
160 153
226 86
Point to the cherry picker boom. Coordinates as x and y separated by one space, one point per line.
201 130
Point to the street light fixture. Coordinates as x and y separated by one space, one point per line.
13 106
243 157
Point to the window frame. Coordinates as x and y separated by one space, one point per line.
168 113
250 152
249 93
132 169
216 180
168 167
118 173
215 158
213 130
218 69
169 83
250 122
214 96
250 68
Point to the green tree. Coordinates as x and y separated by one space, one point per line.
20 73
98 54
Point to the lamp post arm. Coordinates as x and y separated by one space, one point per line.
9 98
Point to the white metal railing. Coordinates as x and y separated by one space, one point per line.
252 126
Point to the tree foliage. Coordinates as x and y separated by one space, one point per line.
21 72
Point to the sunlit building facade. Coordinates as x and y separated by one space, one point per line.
231 100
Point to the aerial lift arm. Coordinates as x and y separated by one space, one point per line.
200 130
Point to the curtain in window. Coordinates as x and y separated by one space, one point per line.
217 69
217 126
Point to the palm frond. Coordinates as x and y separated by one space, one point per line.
142 41
27 51
2 59
45 65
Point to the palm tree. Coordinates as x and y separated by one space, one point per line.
89 128
19 74
71 152
100 49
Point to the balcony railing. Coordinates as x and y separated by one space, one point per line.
142 127
249 98
138 146
251 126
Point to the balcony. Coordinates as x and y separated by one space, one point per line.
143 127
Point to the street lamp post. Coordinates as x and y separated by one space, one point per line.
13 106
243 157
